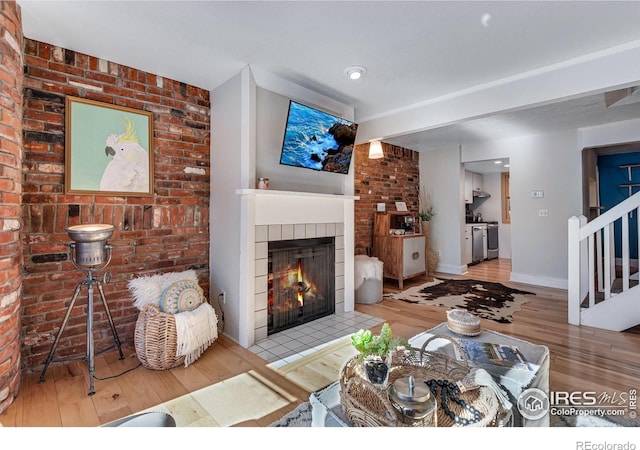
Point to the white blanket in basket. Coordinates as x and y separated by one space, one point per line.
195 332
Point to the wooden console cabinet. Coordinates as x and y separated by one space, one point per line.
403 256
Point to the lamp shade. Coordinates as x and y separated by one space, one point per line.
375 150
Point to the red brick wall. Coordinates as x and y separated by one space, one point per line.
10 189
166 232
396 177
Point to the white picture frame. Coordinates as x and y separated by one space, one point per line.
401 206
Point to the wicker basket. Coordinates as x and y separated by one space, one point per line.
156 340
365 405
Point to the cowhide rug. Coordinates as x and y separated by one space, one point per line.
484 299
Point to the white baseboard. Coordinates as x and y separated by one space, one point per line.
557 283
452 269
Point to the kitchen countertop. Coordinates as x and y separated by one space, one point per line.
482 223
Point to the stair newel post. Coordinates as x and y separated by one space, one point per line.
574 269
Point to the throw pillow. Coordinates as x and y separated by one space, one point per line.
181 296
149 288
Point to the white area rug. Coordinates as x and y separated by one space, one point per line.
247 396
320 368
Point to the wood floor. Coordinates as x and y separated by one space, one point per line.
582 358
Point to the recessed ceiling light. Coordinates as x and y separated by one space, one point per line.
506 165
497 162
355 72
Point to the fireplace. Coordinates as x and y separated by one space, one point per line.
267 218
301 282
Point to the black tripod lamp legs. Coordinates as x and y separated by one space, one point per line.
55 342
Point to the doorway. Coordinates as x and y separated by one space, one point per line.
610 175
490 207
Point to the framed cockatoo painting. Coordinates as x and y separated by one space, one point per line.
108 149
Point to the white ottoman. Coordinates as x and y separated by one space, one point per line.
368 279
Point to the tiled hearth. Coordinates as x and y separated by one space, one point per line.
290 345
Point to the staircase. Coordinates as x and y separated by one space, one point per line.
603 292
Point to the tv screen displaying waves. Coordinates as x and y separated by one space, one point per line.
316 140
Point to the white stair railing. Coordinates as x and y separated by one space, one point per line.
592 254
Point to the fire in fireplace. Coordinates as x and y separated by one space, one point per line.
301 282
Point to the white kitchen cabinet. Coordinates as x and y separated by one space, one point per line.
472 183
477 182
468 187
467 245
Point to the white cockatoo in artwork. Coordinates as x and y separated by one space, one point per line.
128 170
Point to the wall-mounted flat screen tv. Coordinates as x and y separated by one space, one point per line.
316 140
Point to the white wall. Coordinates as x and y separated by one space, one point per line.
614 133
553 164
226 177
272 117
442 176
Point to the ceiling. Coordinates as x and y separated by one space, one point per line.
413 51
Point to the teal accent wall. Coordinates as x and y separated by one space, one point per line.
611 177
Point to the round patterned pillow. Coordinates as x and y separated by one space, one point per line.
181 296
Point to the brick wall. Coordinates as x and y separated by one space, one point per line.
10 189
396 177
166 232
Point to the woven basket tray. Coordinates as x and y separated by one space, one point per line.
365 405
156 339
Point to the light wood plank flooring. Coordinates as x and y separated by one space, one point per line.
582 358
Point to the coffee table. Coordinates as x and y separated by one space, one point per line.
327 409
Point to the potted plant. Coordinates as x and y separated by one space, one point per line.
374 352
427 212
427 215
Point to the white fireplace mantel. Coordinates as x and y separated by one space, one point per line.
269 192
278 210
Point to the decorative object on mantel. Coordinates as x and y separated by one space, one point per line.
484 299
263 183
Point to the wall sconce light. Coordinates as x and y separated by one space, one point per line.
375 149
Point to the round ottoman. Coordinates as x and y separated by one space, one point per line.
368 279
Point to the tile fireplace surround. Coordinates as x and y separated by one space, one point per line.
283 215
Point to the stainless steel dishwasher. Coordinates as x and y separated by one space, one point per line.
477 253
492 240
